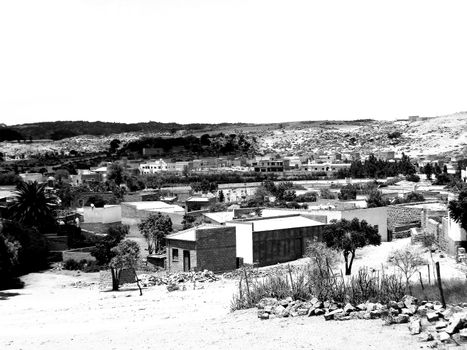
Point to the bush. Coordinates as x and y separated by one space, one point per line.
455 291
71 264
413 178
325 193
319 281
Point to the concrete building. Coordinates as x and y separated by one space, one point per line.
270 166
210 247
327 168
32 177
272 240
134 212
202 202
218 218
179 167
84 176
98 220
153 167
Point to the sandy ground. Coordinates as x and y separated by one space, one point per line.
49 313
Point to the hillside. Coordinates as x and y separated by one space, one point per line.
440 135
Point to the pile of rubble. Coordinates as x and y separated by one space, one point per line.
176 278
429 320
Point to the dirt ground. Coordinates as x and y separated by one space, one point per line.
51 313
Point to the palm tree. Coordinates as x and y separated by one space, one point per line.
32 206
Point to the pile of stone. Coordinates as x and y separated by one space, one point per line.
429 320
177 278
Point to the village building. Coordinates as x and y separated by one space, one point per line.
270 166
272 240
205 247
84 176
153 167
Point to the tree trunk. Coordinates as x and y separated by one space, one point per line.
115 278
349 270
137 283
346 259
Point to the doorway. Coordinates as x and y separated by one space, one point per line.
186 261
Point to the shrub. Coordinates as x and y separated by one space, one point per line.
455 291
413 178
325 193
71 264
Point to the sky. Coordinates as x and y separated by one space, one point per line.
230 60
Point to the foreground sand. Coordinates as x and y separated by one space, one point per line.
49 313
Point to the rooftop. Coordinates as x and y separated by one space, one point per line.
156 206
189 234
281 222
221 216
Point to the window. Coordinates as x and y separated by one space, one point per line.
174 254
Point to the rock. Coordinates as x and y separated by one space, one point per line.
330 315
441 325
326 304
172 287
375 314
425 336
463 334
429 305
341 317
432 316
413 309
393 304
370 307
415 327
422 310
263 315
348 308
451 310
459 339
400 305
402 318
438 307
319 312
271 302
314 300
361 307
454 325
279 310
333 307
302 311
443 336
393 312
284 303
366 315
409 301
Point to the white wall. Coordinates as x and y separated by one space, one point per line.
455 231
106 215
244 241
374 216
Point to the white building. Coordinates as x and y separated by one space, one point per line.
153 167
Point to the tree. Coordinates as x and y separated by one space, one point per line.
414 197
116 173
154 228
9 250
306 197
348 236
61 174
204 186
32 206
428 170
348 192
126 255
221 196
458 209
375 199
103 249
114 144
326 193
408 260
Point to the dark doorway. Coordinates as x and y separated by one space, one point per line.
186 260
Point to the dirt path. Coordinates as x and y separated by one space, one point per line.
46 315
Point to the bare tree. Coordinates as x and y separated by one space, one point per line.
408 260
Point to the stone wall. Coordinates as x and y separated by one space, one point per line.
400 215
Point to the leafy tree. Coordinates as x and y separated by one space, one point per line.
154 228
114 144
103 249
62 174
348 236
30 245
97 200
204 186
375 199
125 256
7 134
116 173
413 178
458 209
32 206
9 179
408 260
414 197
306 197
348 192
428 170
443 179
326 193
187 222
221 196
9 250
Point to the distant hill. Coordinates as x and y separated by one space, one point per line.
63 129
